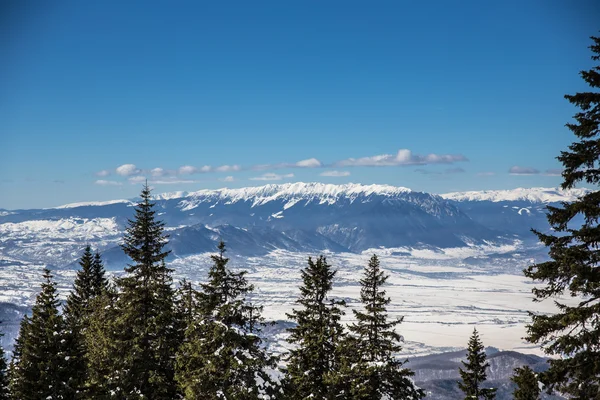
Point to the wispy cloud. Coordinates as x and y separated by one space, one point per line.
103 173
228 168
486 173
187 170
127 170
103 182
308 163
171 181
456 170
517 170
336 174
227 179
134 180
271 177
403 157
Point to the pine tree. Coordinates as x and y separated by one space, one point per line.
4 393
38 369
573 333
527 384
145 333
314 365
223 355
375 372
88 284
474 375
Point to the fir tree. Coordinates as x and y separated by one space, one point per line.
38 368
88 284
573 333
474 375
314 365
375 371
222 355
145 333
527 384
4 393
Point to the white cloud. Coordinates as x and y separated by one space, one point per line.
103 173
187 170
335 173
486 174
402 157
309 163
271 177
137 179
228 168
157 172
227 179
127 170
516 170
206 168
103 182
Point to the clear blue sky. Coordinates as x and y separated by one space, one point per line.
436 96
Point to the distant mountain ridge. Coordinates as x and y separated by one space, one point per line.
294 216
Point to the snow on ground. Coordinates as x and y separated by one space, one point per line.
441 297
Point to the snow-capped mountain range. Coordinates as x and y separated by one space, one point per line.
295 216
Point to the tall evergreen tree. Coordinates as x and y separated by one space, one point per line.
474 375
4 393
315 364
376 373
528 387
223 355
145 331
102 348
88 284
39 368
573 333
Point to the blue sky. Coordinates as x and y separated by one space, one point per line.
437 96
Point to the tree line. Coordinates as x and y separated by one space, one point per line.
139 338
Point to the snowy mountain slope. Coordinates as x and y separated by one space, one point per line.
532 195
294 216
514 211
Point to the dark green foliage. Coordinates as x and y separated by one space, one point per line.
573 333
38 369
89 283
375 372
101 346
527 384
314 366
144 329
4 394
473 374
222 354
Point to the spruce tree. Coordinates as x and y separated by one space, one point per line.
39 369
474 375
572 334
376 373
4 393
102 349
88 284
144 328
315 363
223 355
527 384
